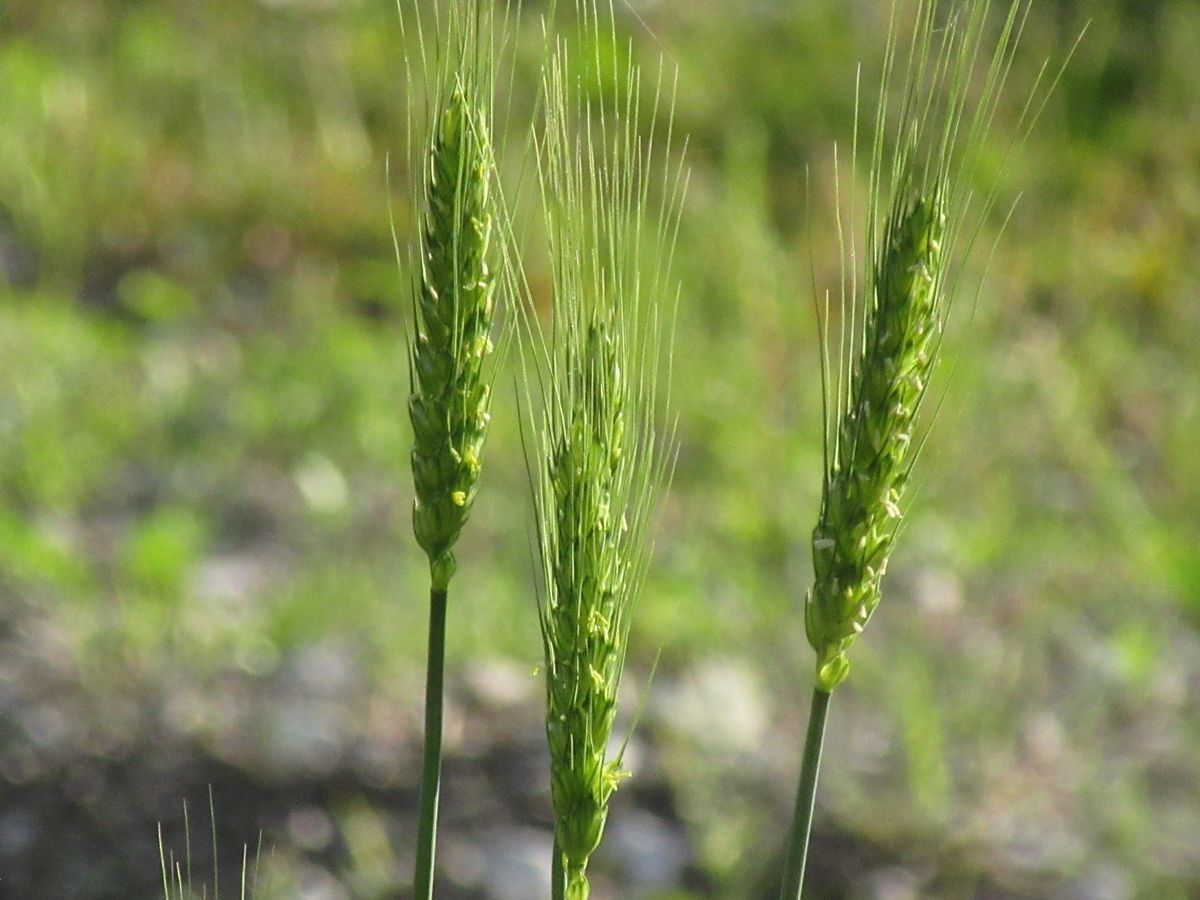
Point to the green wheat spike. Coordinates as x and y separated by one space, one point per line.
597 461
450 399
868 471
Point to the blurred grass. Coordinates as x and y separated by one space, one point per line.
203 448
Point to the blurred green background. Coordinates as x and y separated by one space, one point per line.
207 576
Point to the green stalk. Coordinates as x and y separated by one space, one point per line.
431 767
558 875
797 856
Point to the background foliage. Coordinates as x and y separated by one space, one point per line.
207 574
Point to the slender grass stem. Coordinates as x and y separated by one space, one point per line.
431 767
797 855
558 875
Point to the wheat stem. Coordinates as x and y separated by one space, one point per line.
558 875
431 766
797 854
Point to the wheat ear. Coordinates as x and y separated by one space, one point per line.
596 462
920 199
449 404
586 618
450 344
865 482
